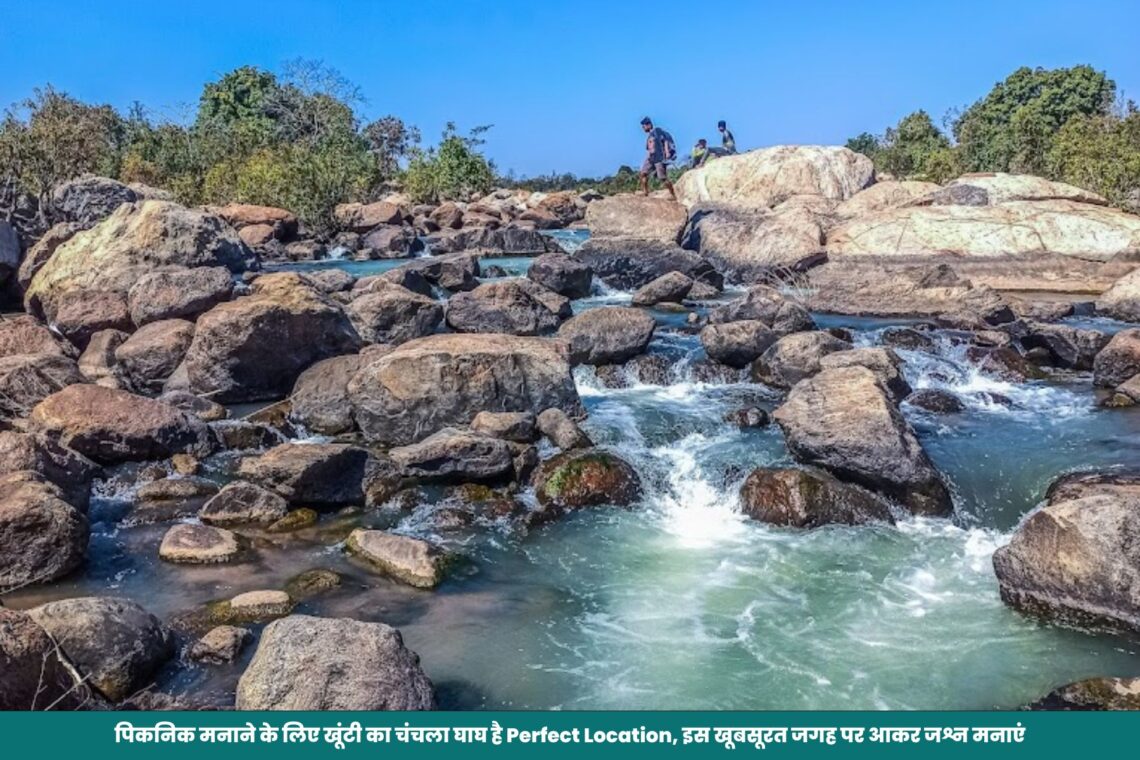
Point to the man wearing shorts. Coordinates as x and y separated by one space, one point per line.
654 162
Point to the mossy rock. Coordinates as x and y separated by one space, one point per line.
297 519
587 478
311 583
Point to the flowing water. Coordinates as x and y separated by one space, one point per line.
683 603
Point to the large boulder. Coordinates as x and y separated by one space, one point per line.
443 381
242 503
807 499
454 272
767 305
115 644
737 344
319 401
150 356
27 379
1068 346
763 178
794 357
24 335
254 348
137 239
586 478
1093 694
668 288
992 188
36 256
562 274
845 421
1119 360
282 223
389 313
750 244
409 560
1122 299
71 471
309 663
884 362
320 475
81 313
35 675
628 264
455 455
178 293
112 426
90 199
1076 561
922 290
635 216
883 195
42 537
514 307
609 335
361 217
389 241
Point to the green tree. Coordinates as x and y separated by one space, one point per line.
907 148
453 170
1102 154
865 143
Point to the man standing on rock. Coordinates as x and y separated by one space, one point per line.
659 150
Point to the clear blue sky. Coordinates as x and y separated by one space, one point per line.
565 83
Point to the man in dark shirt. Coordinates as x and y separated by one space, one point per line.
654 162
727 141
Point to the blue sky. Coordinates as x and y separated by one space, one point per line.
565 83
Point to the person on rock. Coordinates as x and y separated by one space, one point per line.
702 152
659 151
727 141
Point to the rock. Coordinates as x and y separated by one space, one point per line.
634 216
1076 562
907 338
1069 347
456 272
167 499
112 426
308 663
24 335
1122 300
993 188
178 293
737 344
1119 360
320 396
97 363
90 199
320 475
586 478
447 215
257 235
937 401
628 264
443 381
518 427
411 279
363 217
1041 311
409 560
240 215
38 254
297 519
455 455
114 643
71 471
255 347
79 314
562 431
882 196
751 245
1093 694
330 280
150 356
884 362
241 503
35 676
562 274
312 583
794 357
668 288
844 421
514 307
805 499
392 242
27 379
189 544
221 644
393 315
608 335
202 408
261 605
137 239
42 537
766 305
241 435
763 178
748 417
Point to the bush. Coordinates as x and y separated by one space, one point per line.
454 170
1102 154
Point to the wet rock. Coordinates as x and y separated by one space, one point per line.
1077 485
1122 300
1119 360
393 314
508 426
188 544
1005 363
587 478
241 503
766 305
220 645
1076 562
884 362
409 560
806 499
1093 694
562 431
445 380
70 471
455 455
1068 347
845 421
81 313
111 426
166 499
307 663
609 335
562 274
27 379
35 676
151 355
114 643
320 475
240 435
391 242
202 408
795 357
514 307
628 264
311 583
737 344
937 401
907 338
748 417
455 272
42 537
178 293
260 605
673 287
296 519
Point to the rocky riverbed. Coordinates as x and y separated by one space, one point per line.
654 468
